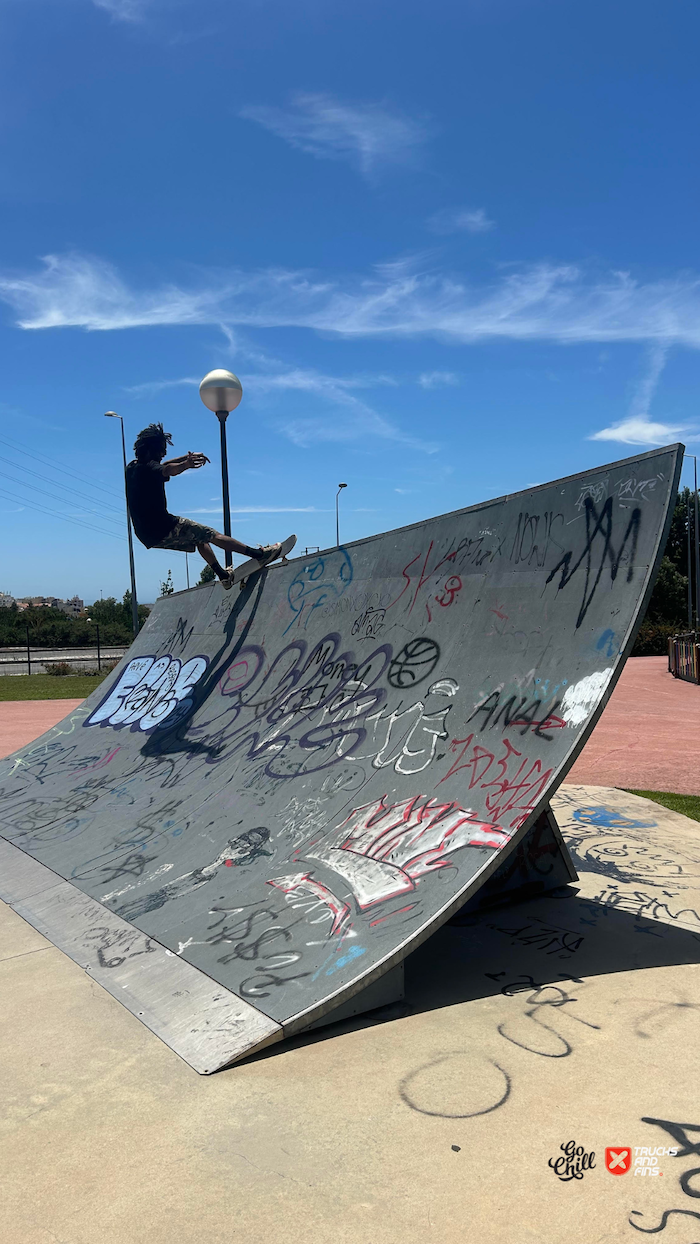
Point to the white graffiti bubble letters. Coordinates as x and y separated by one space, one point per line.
383 850
581 697
151 692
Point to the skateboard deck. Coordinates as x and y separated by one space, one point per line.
246 569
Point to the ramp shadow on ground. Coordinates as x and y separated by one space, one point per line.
541 949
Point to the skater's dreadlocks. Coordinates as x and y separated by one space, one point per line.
152 443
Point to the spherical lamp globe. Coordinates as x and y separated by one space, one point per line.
220 390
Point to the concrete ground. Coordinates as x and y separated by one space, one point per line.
21 721
567 1018
647 737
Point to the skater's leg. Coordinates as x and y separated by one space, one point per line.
234 546
209 556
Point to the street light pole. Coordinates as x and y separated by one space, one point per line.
690 589
337 519
221 392
112 414
222 416
697 548
696 544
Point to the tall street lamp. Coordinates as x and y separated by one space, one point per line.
337 521
112 414
689 577
221 392
697 544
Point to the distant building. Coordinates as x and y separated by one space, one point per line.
6 601
73 607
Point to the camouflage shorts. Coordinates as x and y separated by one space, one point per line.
186 535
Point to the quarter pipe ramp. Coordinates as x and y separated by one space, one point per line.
281 791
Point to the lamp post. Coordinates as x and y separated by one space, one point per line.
696 543
221 392
112 414
99 657
690 589
337 520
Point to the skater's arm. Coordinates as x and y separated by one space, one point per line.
188 462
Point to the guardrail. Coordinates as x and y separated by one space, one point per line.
33 660
684 657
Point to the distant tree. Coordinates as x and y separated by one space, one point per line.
677 544
143 611
47 628
114 619
669 600
667 612
207 575
166 587
51 628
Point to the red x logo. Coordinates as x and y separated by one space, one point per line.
618 1160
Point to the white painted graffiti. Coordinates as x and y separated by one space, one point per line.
581 698
383 851
310 895
407 739
150 692
636 489
596 490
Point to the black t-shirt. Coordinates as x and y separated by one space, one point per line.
145 488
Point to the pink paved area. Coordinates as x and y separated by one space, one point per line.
24 720
648 737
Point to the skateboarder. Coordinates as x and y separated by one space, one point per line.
156 527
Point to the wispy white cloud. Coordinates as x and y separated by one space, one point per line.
539 302
264 509
368 136
641 432
308 380
437 379
157 386
79 291
123 10
639 428
359 419
460 220
648 385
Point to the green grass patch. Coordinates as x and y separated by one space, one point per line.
689 805
48 686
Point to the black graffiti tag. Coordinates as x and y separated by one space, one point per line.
598 524
414 663
686 1148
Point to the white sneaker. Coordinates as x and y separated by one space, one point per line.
268 553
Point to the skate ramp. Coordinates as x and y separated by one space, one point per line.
281 791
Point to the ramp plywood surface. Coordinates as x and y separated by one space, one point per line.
289 787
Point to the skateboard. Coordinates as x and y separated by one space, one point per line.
243 572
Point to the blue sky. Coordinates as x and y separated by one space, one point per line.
450 249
